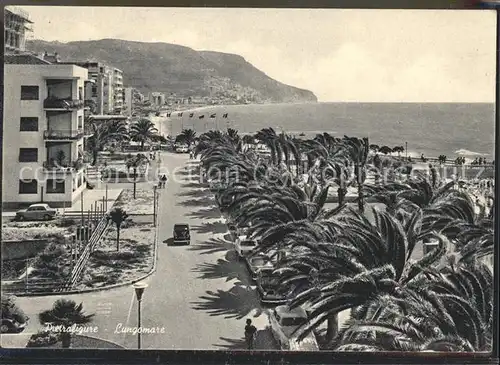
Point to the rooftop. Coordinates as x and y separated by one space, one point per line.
24 59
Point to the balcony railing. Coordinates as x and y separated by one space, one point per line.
52 134
64 166
67 104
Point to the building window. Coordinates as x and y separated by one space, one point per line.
28 155
80 93
55 186
94 91
80 122
29 124
28 186
101 70
29 92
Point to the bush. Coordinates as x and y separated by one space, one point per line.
52 261
43 339
66 222
10 310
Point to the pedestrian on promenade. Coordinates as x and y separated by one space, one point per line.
164 180
250 331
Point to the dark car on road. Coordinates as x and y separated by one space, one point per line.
10 325
182 235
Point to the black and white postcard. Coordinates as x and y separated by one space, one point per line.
248 179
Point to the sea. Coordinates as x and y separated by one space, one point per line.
432 129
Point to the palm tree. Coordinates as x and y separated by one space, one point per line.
187 136
381 250
118 216
143 131
451 311
135 162
398 149
101 135
357 152
385 150
65 313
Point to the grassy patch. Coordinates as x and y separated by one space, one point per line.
142 204
107 266
14 230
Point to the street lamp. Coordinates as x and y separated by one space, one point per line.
139 291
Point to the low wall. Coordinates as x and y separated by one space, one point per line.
17 250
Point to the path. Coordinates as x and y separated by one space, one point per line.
199 293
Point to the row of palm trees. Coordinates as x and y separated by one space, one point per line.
116 131
414 275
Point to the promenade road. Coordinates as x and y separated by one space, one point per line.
200 294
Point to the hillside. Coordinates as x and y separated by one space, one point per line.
177 69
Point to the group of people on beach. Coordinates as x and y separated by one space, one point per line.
481 161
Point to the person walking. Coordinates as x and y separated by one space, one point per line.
164 180
250 331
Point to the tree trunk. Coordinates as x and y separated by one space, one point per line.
117 239
135 179
361 203
332 327
94 156
358 172
66 340
142 145
341 192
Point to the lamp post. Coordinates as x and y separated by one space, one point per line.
139 291
154 205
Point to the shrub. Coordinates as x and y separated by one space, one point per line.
43 339
52 261
66 222
10 310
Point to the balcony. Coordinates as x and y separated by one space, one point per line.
57 135
54 166
62 104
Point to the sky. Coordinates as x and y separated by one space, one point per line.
340 55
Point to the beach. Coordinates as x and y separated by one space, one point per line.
432 128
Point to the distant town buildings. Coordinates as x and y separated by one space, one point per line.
117 91
17 25
43 141
128 103
157 98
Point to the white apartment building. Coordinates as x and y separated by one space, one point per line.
108 97
118 91
94 90
44 132
17 25
128 102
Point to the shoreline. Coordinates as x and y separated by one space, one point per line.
173 125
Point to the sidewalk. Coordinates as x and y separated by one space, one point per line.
92 196
89 198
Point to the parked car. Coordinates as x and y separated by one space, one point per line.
284 322
181 148
10 325
257 263
269 288
182 234
233 230
36 212
244 246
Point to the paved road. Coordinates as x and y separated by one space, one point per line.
200 294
